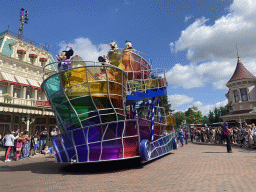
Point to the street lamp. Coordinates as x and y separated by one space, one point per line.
23 19
27 121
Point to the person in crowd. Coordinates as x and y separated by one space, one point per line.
186 136
25 146
226 135
54 132
18 146
43 136
202 135
181 137
35 143
192 135
9 143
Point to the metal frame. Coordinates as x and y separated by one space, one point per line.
126 86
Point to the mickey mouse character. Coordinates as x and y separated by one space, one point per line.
64 59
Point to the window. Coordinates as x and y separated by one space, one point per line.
39 96
236 96
29 94
3 89
16 92
20 57
244 94
32 60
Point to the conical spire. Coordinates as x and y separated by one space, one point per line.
241 72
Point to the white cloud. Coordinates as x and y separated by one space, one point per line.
206 108
218 41
187 18
179 100
86 49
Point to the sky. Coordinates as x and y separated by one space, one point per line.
194 40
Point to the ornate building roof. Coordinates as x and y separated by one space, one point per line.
241 72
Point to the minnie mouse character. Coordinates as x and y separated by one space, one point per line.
64 59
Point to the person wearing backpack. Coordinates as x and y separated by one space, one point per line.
226 135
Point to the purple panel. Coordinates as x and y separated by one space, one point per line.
130 128
82 153
111 150
120 129
95 133
67 140
111 132
71 153
79 137
58 146
94 151
64 157
57 158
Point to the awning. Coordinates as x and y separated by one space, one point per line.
8 77
33 83
21 80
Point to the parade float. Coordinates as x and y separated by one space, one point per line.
96 105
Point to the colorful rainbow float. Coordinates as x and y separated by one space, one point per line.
96 109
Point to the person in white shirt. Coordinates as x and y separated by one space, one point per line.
9 143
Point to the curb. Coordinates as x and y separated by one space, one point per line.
213 144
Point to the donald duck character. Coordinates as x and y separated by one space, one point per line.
114 55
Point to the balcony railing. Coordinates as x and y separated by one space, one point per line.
20 101
25 40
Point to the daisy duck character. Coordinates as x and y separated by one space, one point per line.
64 59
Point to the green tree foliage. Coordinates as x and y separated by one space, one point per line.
179 116
214 116
194 115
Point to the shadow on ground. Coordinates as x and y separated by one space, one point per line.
50 167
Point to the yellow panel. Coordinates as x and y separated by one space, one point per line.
99 87
77 76
114 74
115 88
65 78
77 90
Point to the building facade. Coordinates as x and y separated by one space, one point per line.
241 96
22 102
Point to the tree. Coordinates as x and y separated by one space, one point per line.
211 117
179 117
193 115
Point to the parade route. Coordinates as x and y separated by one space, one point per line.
190 168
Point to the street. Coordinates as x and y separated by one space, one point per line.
193 167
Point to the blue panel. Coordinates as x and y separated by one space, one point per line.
79 137
150 93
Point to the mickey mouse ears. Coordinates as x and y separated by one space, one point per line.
68 48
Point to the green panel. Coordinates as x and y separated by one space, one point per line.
52 85
6 48
53 67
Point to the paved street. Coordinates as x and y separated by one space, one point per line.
191 168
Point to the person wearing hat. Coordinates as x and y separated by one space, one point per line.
226 135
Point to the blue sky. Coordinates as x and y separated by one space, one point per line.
193 40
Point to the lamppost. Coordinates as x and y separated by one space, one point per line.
23 20
27 121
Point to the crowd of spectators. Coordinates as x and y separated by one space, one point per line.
244 136
23 146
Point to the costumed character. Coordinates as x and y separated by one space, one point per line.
181 137
115 55
64 59
65 64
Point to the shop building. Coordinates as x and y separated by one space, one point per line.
241 96
22 102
